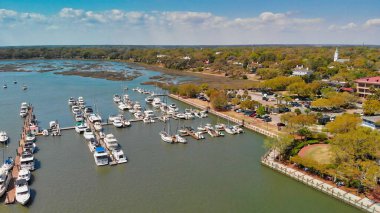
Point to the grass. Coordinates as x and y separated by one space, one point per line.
320 153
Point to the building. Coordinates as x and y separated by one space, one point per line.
337 59
364 85
300 71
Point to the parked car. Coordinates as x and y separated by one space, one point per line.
253 115
281 124
265 99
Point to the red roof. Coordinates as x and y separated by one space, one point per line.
370 80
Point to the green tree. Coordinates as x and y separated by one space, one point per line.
261 110
344 123
371 107
218 100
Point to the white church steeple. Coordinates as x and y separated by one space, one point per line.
336 54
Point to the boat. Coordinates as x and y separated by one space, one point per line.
23 111
203 114
71 101
116 98
111 142
81 100
3 137
92 144
5 177
5 86
100 156
24 87
137 106
88 111
163 118
138 115
14 82
80 127
156 103
30 137
98 126
199 135
95 118
230 130
24 174
180 115
220 127
119 156
202 128
29 146
117 122
8 164
122 106
173 107
55 128
149 99
75 109
148 120
22 191
238 129
79 118
180 139
88 134
166 137
125 98
149 113
27 161
126 122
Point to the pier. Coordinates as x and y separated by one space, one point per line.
11 193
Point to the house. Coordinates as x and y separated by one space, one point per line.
364 85
300 71
337 59
372 122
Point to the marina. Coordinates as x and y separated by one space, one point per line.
153 166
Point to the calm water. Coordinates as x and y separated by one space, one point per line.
213 175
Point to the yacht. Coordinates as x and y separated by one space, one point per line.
27 161
98 126
220 127
111 118
8 164
173 107
29 146
149 99
94 118
122 106
149 113
166 137
238 129
119 156
93 144
116 98
30 137
88 134
22 191
180 139
23 111
81 101
88 111
75 109
126 123
24 174
117 122
71 101
156 103
230 130
111 142
3 137
138 115
80 127
5 177
199 135
100 156
202 129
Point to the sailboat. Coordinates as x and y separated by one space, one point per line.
165 135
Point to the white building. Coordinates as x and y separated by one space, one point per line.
337 59
300 71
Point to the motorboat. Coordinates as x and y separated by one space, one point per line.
149 99
27 161
101 156
95 118
164 107
24 174
92 144
230 130
125 98
238 129
23 111
156 103
30 137
88 111
137 106
34 128
149 113
111 118
163 118
138 115
173 107
117 122
5 86
180 115
220 133
3 137
79 118
8 164
148 120
75 109
71 101
189 115
180 139
202 128
116 98
126 122
122 106
111 142
80 127
166 137
14 82
81 100
199 135
220 127
88 134
119 156
29 147
98 126
24 87
22 191
5 177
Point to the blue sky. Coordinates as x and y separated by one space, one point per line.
39 22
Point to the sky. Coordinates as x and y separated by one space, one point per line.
188 22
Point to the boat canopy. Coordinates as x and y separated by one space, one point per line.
21 182
100 149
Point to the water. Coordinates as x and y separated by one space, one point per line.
213 175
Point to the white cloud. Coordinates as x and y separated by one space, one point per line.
349 26
372 22
70 13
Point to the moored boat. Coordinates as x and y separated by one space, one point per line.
101 156
22 191
5 177
3 137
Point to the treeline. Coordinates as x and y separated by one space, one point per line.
268 62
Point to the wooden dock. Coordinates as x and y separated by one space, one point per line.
11 193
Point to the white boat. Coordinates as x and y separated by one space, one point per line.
149 113
180 139
80 127
122 106
75 109
92 144
24 174
23 111
119 156
3 137
111 142
5 177
29 146
113 117
125 98
117 122
203 114
24 87
199 135
202 128
88 134
148 120
8 164
81 101
138 115
27 161
22 191
5 86
220 127
238 129
95 118
189 115
88 111
30 137
173 107
126 122
100 156
149 99
166 137
230 130
71 101
156 103
79 118
116 98
180 115
98 126
137 106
